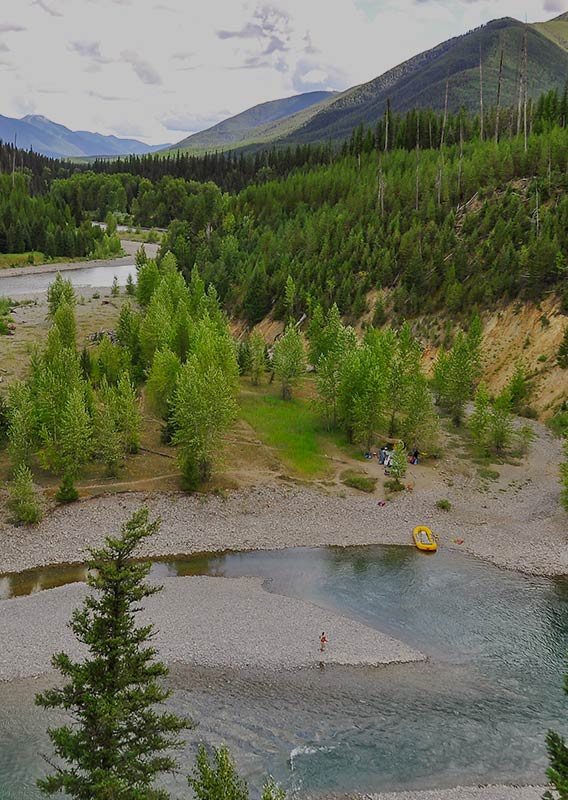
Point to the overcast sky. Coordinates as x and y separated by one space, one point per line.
157 69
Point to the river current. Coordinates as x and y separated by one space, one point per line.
476 712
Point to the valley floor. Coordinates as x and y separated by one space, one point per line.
515 521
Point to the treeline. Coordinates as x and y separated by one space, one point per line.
39 170
230 171
468 225
427 129
45 224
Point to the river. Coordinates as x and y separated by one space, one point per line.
477 712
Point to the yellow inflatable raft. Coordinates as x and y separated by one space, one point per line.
423 538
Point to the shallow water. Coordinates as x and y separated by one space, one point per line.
99 277
476 713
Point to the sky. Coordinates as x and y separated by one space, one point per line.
157 70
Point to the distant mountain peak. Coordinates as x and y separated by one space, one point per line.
38 133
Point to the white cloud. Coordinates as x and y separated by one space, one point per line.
175 66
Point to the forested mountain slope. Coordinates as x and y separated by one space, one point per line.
421 81
254 124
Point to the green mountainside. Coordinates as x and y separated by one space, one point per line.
256 122
420 82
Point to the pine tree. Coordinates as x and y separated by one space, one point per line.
203 409
257 352
289 360
23 502
501 423
128 415
130 285
21 423
478 422
562 355
161 383
64 321
60 291
108 440
75 442
118 744
115 288
217 780
557 772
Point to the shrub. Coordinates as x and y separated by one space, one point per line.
394 485
443 505
358 480
67 493
562 355
23 502
488 474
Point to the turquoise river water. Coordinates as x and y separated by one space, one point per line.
477 712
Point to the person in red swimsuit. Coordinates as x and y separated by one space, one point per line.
323 641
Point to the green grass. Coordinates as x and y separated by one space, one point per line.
8 260
443 505
488 474
358 480
292 427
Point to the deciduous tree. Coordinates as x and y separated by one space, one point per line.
289 360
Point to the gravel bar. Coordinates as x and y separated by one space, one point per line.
458 793
207 622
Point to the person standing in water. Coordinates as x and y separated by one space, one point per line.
323 641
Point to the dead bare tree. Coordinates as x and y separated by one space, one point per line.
498 108
526 89
440 178
481 112
417 158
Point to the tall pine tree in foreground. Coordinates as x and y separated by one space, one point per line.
118 743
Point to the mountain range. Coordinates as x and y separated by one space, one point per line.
419 82
34 132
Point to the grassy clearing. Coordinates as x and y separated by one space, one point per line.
291 427
8 260
358 480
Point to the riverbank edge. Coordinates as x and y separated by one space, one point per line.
274 518
489 792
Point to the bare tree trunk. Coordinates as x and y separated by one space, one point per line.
498 110
481 112
520 86
387 126
445 117
442 137
381 186
526 91
417 158
14 161
460 164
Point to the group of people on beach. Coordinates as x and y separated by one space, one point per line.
386 453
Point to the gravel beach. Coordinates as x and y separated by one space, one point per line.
207 622
459 793
522 528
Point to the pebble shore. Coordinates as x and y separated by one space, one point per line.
458 793
205 622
